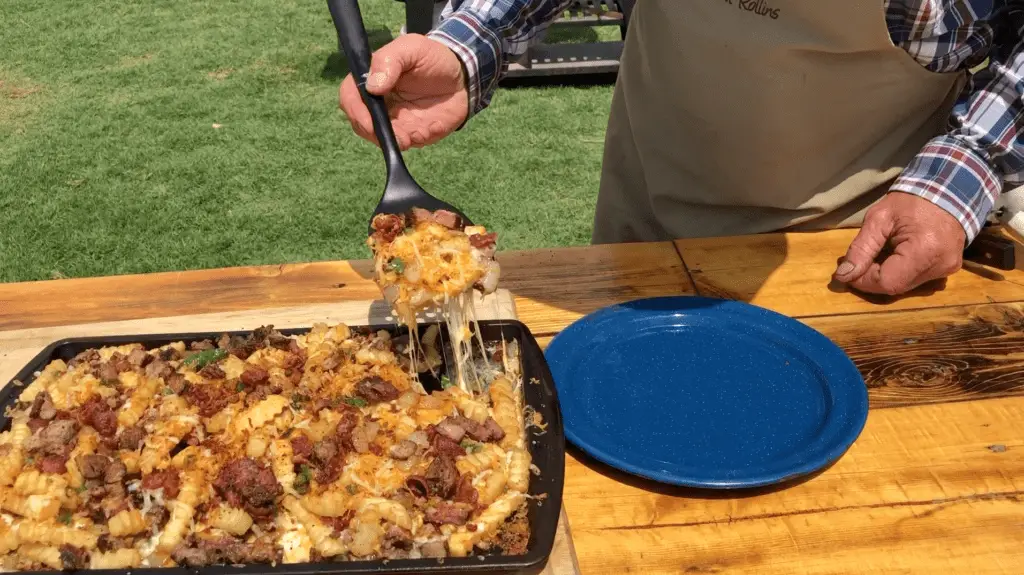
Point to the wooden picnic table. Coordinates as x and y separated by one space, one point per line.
935 483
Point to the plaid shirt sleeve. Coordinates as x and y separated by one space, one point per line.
486 34
963 171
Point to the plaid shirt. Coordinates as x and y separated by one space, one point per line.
963 170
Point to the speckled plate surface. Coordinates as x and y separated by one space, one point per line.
705 392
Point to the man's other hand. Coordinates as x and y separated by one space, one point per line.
927 243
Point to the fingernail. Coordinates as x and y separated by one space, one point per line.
376 79
844 268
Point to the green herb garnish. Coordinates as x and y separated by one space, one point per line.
445 382
471 446
168 391
302 480
396 265
239 386
30 460
205 357
64 517
109 382
81 488
297 400
355 401
352 489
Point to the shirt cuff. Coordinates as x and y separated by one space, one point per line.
955 177
480 51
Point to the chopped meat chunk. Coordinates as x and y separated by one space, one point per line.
97 414
120 362
302 448
115 473
88 356
93 466
249 484
54 439
417 485
170 354
448 219
72 558
324 451
131 438
442 476
226 551
375 390
53 464
484 432
202 345
465 492
212 371
451 429
403 449
450 513
176 382
254 376
106 373
139 358
387 227
158 369
168 480
42 407
209 398
444 445
483 241
35 424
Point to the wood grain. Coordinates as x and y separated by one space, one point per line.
927 489
553 287
791 274
976 536
935 355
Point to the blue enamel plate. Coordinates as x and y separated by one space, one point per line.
706 393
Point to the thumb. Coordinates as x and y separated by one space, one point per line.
869 242
388 64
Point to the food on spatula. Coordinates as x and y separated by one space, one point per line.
427 259
264 449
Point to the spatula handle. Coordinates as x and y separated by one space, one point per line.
348 20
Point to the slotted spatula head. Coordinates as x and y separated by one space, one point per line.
401 193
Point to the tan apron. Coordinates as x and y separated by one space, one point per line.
738 117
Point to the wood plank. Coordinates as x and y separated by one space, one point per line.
86 300
791 274
572 280
553 288
935 355
978 536
905 456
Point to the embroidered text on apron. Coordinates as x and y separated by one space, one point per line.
748 116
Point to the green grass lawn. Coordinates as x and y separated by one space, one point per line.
169 135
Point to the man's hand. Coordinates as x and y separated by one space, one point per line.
927 242
424 86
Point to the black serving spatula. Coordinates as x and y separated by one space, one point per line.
401 192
